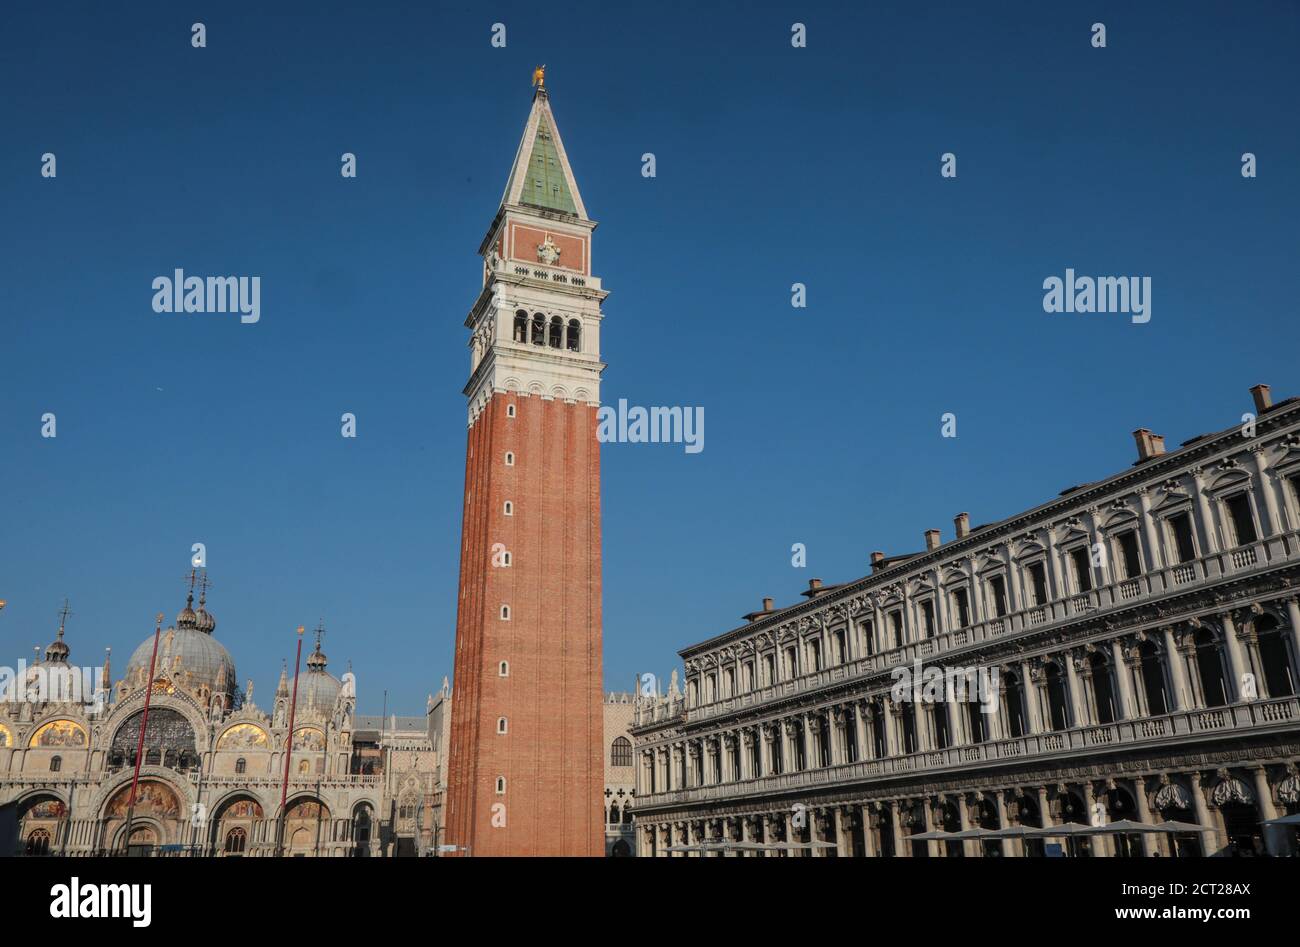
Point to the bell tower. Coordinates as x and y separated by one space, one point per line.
527 734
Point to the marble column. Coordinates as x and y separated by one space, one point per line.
1078 717
1149 841
1236 660
1102 845
1274 842
900 850
1177 663
933 849
1029 689
1212 840
843 832
816 823
891 737
969 847
868 833
1293 614
1127 708
1009 847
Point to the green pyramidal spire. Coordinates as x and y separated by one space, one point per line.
541 176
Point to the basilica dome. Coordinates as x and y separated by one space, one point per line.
318 687
189 658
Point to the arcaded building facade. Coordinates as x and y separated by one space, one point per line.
1126 651
212 768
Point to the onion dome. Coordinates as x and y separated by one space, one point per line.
186 617
203 619
58 651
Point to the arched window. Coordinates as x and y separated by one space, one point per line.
505 559
1153 680
510 459
1058 716
501 725
521 326
574 338
620 753
1273 656
236 841
56 764
613 813
241 765
505 612
503 669
977 722
510 411
1209 663
556 339
501 785
38 843
907 713
1015 699
1103 694
539 329
509 508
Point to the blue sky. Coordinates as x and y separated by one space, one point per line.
775 165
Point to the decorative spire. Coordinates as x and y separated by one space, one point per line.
186 618
58 650
541 176
282 689
106 678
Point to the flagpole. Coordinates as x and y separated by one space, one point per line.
139 746
288 746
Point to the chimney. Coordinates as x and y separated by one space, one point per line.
877 560
767 604
1263 400
932 539
962 522
814 585
1149 445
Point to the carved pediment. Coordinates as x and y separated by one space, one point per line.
1029 549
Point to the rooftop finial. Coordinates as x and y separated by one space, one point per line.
63 616
539 77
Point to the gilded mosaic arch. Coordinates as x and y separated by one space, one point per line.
242 808
6 738
152 798
308 738
59 733
244 736
306 808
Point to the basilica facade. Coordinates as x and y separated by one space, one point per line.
212 761
1113 672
